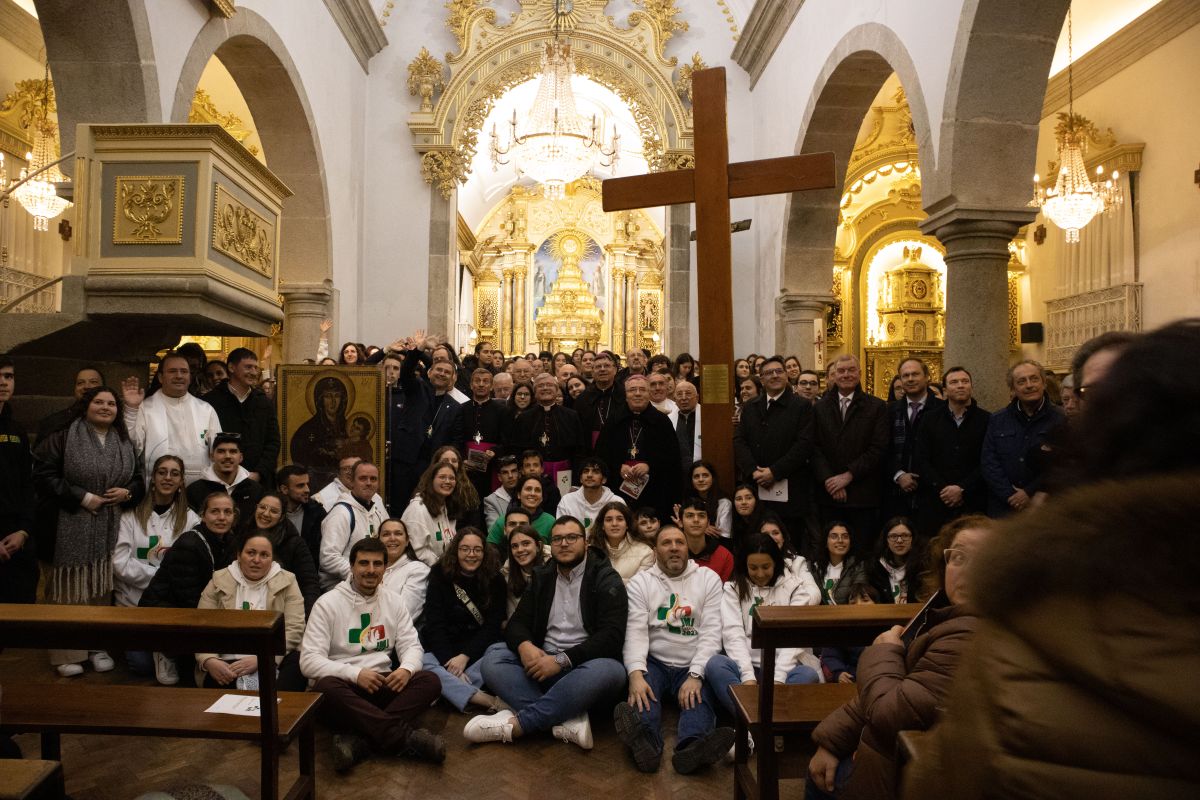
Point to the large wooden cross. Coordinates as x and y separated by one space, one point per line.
711 185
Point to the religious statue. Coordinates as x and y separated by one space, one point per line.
539 282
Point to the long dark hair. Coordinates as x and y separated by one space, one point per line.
712 500
821 556
276 533
915 559
80 407
432 500
771 518
596 537
362 354
516 577
488 569
756 543
744 526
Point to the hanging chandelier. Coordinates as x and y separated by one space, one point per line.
553 148
1074 199
38 195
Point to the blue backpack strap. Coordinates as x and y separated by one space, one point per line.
350 511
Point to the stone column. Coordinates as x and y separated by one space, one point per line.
506 311
632 323
795 333
977 303
616 314
440 316
677 323
519 335
305 305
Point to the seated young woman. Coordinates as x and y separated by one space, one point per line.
703 477
529 499
431 514
290 551
405 574
835 569
612 533
466 498
254 582
898 566
464 615
795 564
524 552
903 686
747 514
759 579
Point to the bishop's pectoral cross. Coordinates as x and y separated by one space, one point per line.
711 185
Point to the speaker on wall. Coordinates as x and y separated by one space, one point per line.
1032 333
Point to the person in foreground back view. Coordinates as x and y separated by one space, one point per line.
1082 680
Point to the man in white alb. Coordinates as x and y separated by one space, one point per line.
170 421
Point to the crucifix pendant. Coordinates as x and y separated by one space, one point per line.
633 451
478 437
429 431
545 440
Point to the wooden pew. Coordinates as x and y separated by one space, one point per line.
53 709
767 710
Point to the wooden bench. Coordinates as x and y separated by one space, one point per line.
27 779
767 710
53 709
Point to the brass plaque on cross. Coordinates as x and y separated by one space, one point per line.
714 378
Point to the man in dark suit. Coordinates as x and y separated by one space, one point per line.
481 422
906 421
244 409
639 444
599 401
773 446
949 447
850 450
422 416
302 511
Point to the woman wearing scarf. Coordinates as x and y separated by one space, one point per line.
85 475
254 582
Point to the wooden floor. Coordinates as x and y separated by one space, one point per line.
120 767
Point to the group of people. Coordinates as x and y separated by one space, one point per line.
553 541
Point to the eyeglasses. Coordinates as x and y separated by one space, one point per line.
956 558
839 537
899 537
807 383
565 539
471 551
766 373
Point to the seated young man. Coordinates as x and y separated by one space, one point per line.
584 503
674 628
563 646
496 503
346 654
226 474
706 551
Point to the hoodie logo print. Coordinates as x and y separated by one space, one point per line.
678 616
367 636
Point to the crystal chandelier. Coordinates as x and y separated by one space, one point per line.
553 148
1075 199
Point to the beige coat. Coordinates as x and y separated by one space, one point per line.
283 595
1082 682
629 558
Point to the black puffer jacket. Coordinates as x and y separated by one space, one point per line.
187 568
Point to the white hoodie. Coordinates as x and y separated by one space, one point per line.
210 474
575 504
338 536
409 579
737 623
676 620
428 534
797 568
348 632
140 551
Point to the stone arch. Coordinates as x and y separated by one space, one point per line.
851 77
101 58
270 82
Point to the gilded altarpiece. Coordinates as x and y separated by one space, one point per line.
557 274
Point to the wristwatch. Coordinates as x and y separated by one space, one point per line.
562 660
696 675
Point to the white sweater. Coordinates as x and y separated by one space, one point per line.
140 551
408 578
797 569
676 620
337 537
348 632
178 426
575 504
737 622
428 534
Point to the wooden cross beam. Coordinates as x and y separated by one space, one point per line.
711 185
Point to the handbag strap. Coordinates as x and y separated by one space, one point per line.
469 603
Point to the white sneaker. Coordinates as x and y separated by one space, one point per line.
69 670
101 661
731 756
490 727
164 670
576 730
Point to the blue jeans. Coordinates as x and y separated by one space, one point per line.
721 672
457 691
665 681
541 706
840 778
141 663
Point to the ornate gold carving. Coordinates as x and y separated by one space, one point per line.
242 233
205 110
683 84
729 18
1014 311
386 12
460 17
661 14
676 159
223 8
425 78
445 168
648 312
28 99
486 315
148 209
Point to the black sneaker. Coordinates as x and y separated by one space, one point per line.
423 746
348 749
646 755
708 749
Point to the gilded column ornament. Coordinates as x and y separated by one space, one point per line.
34 98
143 204
446 168
683 84
223 8
425 78
460 17
662 14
